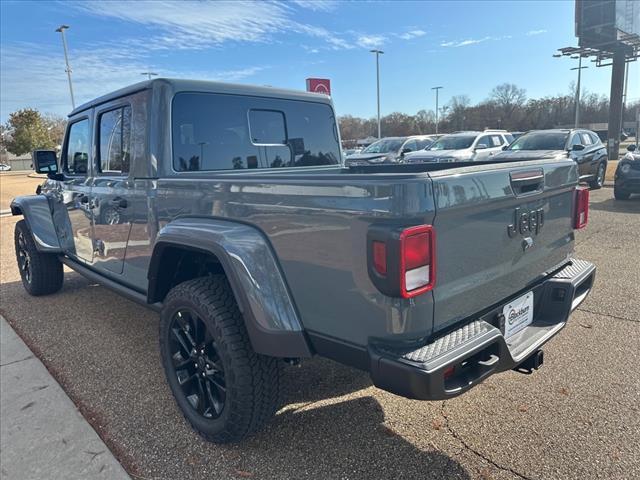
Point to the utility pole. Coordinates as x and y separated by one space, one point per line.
437 89
149 74
378 53
61 30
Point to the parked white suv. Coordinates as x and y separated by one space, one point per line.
463 147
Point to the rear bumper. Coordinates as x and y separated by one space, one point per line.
478 349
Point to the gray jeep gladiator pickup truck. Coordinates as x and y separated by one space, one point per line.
228 210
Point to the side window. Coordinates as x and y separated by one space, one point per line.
76 156
114 139
232 132
412 145
508 137
586 138
575 140
421 144
496 140
484 140
595 138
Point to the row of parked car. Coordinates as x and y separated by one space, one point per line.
583 146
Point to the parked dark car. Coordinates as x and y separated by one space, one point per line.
627 178
390 150
582 146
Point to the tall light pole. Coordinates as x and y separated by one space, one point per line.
61 30
579 68
378 53
577 99
149 74
437 89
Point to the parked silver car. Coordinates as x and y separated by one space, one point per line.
462 147
390 150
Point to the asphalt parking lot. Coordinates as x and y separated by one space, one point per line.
578 417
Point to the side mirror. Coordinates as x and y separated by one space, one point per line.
45 161
405 150
504 147
577 148
481 146
631 148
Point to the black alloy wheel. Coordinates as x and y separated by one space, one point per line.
196 364
24 259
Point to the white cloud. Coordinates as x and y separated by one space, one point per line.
464 43
535 32
412 34
317 5
27 68
371 41
205 24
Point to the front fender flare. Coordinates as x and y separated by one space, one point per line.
255 276
37 213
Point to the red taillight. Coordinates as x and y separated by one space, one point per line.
581 215
380 257
417 260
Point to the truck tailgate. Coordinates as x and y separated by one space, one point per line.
499 229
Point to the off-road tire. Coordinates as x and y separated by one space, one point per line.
619 194
601 173
252 380
43 274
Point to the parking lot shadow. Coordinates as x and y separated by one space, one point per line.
618 206
344 440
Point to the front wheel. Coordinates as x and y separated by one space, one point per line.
41 273
225 390
598 182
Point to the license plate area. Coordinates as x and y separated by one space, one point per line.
518 314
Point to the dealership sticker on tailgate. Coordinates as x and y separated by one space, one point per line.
518 314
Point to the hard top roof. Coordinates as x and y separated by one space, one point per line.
184 85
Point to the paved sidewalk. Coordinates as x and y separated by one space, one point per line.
42 434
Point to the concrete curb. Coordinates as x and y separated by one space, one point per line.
42 433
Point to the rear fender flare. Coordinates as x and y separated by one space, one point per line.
250 264
37 213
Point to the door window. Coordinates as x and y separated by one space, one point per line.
114 139
586 139
496 140
411 145
486 141
77 149
575 140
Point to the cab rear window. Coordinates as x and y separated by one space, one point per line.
233 132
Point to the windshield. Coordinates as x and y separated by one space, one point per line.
540 141
457 142
384 146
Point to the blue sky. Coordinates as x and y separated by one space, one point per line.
468 47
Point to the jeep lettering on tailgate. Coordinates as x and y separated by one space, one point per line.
524 222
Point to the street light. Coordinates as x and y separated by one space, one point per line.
149 74
378 53
61 30
577 99
437 89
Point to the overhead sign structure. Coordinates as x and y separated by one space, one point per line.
319 85
607 24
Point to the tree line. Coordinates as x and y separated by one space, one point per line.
507 107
